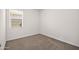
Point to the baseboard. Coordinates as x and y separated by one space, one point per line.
61 40
47 36
21 37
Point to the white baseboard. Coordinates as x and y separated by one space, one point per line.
45 35
61 40
21 36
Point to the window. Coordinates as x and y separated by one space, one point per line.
16 18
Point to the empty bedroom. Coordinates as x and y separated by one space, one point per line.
39 29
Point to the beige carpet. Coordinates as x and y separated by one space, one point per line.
38 42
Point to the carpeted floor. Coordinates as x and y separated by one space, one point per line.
38 42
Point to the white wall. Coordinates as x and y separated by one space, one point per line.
2 29
30 25
61 24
